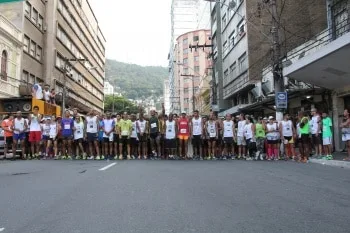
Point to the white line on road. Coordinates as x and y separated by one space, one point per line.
2 229
106 167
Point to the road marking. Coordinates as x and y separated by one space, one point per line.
106 167
2 229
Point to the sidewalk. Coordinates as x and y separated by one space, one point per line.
337 162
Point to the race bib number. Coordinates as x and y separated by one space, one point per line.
212 133
154 125
66 126
170 130
125 133
183 131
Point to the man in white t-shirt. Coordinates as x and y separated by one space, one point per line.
241 143
37 91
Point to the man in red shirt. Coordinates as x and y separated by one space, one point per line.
183 135
6 125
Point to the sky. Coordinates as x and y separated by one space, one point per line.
136 31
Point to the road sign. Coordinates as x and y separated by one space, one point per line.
281 100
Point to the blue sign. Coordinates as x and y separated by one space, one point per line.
281 100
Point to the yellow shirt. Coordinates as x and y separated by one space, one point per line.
125 127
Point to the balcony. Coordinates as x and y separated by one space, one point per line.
242 83
324 61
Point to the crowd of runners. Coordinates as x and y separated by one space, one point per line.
136 136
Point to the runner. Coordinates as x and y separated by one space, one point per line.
100 139
315 125
144 127
241 143
154 134
327 136
183 135
92 129
67 125
19 127
212 132
134 140
162 119
205 137
108 126
305 137
124 128
116 139
345 129
272 137
79 129
228 136
197 135
219 141
35 131
47 93
260 129
249 135
52 137
45 129
170 137
287 132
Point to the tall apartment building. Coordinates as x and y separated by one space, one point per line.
242 43
11 53
192 67
56 30
186 15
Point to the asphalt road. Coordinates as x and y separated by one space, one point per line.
173 196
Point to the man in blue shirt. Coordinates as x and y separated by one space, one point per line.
67 125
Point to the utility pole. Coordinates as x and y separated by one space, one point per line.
277 64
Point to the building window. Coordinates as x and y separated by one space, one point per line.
224 21
231 39
185 61
32 48
26 43
4 65
185 41
225 47
31 79
185 91
39 51
196 38
25 76
243 63
27 9
35 16
241 28
185 71
40 22
196 69
225 77
185 51
196 58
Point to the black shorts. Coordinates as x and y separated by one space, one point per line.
91 137
70 137
106 140
228 140
212 140
219 141
154 136
273 142
142 138
77 141
197 140
124 140
133 142
170 143
288 138
316 140
305 139
9 140
116 138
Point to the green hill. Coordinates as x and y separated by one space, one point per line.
134 81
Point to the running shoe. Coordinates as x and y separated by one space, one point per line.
98 157
116 157
128 157
102 157
91 158
329 157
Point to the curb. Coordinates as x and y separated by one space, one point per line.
333 163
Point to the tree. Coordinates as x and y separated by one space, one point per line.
121 104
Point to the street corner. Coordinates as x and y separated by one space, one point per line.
333 163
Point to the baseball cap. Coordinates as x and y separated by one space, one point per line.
271 117
183 112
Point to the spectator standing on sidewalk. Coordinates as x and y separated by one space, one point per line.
315 125
327 136
345 128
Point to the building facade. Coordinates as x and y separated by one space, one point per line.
166 97
186 16
323 62
10 52
63 46
108 88
242 42
192 67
